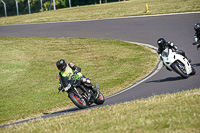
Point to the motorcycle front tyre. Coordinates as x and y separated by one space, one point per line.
79 102
180 72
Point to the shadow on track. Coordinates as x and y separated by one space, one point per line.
47 115
167 79
172 78
64 111
196 65
71 110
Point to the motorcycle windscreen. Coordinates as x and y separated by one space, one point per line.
165 52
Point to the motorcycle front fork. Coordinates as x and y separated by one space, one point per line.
77 92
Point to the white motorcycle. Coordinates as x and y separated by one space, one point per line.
177 63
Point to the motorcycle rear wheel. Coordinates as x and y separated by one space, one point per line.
100 99
193 71
79 102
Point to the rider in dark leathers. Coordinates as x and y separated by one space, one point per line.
197 35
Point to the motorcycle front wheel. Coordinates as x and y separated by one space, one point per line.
79 102
181 72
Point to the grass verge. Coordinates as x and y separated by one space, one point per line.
29 78
178 112
108 10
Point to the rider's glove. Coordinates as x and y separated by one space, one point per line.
68 87
60 87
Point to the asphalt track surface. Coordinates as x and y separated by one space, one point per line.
177 28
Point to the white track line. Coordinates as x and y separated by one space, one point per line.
156 70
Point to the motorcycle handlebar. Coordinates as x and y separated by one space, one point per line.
71 81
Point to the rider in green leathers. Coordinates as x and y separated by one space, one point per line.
71 71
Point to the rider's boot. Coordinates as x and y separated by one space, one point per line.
94 88
198 46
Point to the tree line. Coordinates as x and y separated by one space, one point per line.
47 5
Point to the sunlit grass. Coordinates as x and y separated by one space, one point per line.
29 78
106 10
178 112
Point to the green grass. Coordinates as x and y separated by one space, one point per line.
172 113
108 10
29 76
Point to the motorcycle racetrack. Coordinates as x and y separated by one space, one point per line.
177 28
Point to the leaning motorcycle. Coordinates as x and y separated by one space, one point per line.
177 63
81 94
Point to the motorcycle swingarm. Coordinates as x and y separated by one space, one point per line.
90 95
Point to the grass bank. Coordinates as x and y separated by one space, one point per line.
106 10
178 112
29 78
